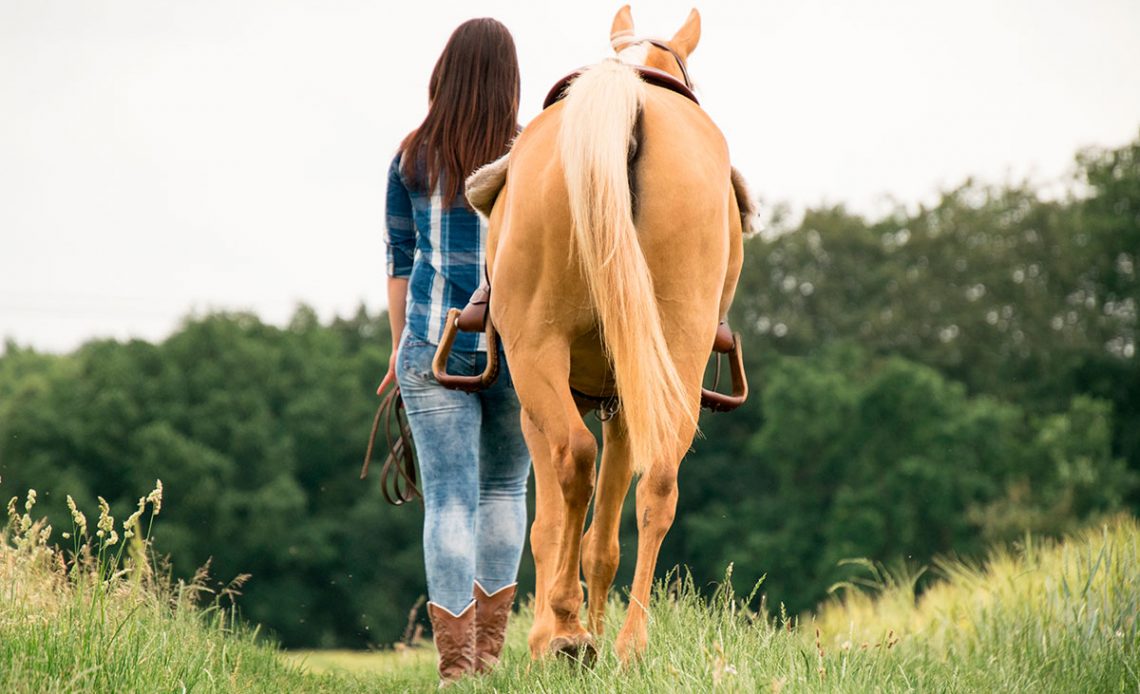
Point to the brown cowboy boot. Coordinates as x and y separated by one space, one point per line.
454 637
491 614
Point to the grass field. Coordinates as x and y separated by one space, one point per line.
1043 617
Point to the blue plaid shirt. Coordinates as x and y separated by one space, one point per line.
439 246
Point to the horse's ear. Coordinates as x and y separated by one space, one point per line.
622 29
686 38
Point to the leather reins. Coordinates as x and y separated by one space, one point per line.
398 476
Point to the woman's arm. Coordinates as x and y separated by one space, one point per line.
397 305
397 298
401 245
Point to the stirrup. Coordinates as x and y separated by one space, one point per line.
468 384
721 402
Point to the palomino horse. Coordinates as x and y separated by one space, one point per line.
614 250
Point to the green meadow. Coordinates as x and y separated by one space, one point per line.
1036 616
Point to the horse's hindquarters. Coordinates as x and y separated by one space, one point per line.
683 188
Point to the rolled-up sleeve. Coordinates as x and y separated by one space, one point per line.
401 230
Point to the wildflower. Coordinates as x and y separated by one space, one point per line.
113 539
155 497
12 516
77 516
67 536
31 501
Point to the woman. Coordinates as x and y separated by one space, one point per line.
473 460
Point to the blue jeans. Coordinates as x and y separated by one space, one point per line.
473 465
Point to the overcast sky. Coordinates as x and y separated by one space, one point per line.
159 157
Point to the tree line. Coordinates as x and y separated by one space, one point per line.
925 383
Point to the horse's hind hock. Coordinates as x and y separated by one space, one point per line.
575 462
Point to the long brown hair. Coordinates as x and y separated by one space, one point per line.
473 108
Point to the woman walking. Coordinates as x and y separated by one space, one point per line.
473 459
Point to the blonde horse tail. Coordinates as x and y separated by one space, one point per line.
598 120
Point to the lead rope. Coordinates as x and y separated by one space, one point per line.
398 476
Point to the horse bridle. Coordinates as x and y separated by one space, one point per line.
620 43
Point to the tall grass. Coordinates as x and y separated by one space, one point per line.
102 617
1039 617
1042 616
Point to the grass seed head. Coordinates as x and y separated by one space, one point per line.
106 520
132 522
77 516
155 497
25 523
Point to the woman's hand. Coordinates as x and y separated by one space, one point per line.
389 377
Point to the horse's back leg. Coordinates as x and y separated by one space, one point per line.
601 551
566 452
656 506
544 532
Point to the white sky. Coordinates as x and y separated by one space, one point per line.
159 157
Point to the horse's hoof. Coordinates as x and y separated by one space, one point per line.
629 650
580 649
